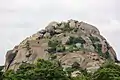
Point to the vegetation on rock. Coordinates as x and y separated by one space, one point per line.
55 46
42 70
94 39
73 44
75 50
74 40
109 71
48 70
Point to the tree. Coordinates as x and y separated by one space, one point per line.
76 67
42 70
81 77
107 74
46 70
108 71
55 45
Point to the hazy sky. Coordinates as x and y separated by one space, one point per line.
22 18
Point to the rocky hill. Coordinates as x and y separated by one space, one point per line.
70 43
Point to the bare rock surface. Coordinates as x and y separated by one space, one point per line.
67 42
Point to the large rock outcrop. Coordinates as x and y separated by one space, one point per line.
67 42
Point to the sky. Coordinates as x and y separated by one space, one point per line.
21 18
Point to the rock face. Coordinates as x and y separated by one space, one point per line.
67 42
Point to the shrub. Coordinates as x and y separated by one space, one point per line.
47 70
42 70
98 48
81 77
52 56
108 71
70 48
94 39
107 55
74 40
107 74
60 48
83 72
53 43
51 49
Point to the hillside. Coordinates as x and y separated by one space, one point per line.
68 43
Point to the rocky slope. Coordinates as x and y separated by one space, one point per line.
70 43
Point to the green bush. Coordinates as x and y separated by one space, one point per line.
10 75
107 74
52 56
60 48
70 48
47 70
98 48
54 43
110 64
109 71
74 40
51 49
81 77
107 55
94 39
42 70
